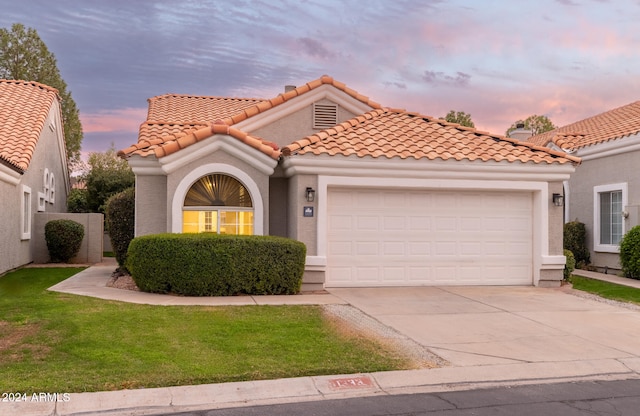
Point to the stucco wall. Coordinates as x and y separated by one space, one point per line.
303 228
279 206
48 154
603 171
297 125
15 251
91 248
151 205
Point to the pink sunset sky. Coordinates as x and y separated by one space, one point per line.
499 61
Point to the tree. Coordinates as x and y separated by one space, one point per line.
459 117
24 56
537 124
108 175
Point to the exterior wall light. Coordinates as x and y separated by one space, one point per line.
310 194
558 200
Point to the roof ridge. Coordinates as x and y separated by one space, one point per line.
296 92
211 97
32 83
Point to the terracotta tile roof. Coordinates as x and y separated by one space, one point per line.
392 133
171 143
189 109
610 125
171 116
24 107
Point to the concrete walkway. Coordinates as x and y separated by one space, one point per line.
489 335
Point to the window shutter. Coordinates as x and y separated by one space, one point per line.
325 116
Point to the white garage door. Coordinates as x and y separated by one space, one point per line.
382 237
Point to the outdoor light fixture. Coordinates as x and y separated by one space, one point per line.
310 194
558 200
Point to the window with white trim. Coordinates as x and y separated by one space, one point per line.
609 202
219 204
25 213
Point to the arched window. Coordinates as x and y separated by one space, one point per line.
217 203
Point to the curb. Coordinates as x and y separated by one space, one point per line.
158 401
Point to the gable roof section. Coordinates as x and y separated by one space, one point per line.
171 143
611 125
389 133
188 119
24 107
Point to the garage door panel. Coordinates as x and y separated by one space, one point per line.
380 237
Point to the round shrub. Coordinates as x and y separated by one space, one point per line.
63 238
570 265
216 265
575 240
120 222
630 253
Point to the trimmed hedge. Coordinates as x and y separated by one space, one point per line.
630 253
216 265
575 240
120 221
570 265
63 238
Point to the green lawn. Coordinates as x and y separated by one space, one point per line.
65 343
606 289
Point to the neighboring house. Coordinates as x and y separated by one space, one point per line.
604 192
380 197
33 165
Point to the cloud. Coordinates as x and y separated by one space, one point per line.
315 48
460 79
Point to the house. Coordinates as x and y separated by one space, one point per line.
33 165
380 196
604 192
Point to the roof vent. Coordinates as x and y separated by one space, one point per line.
288 88
325 116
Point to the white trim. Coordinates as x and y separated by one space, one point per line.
610 148
315 263
25 208
186 183
597 190
9 175
567 200
305 100
540 190
42 202
52 188
188 155
424 169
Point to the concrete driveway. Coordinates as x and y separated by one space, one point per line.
488 326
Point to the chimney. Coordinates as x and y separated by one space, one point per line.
288 88
520 133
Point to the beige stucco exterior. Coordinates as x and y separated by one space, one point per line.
280 185
48 161
599 169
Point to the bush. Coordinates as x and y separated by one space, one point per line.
216 265
630 253
575 240
77 201
570 265
120 222
63 238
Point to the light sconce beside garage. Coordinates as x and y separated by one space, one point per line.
310 194
558 200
